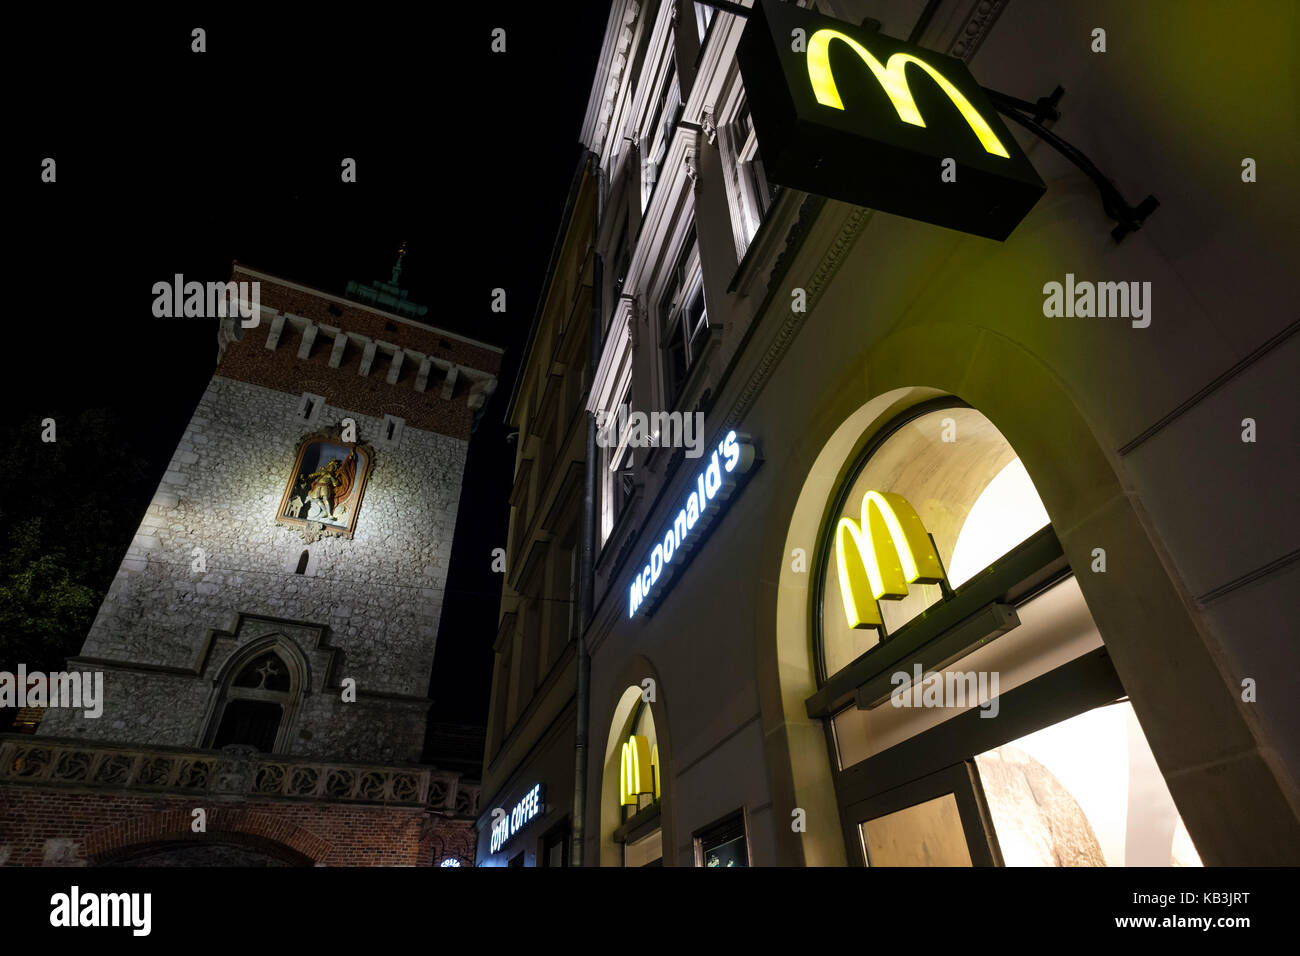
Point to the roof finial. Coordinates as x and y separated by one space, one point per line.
397 269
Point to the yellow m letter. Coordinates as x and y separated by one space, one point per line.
636 773
893 79
893 550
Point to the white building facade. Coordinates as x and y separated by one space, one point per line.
1110 502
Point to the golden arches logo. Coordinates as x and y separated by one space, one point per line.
638 770
893 79
893 550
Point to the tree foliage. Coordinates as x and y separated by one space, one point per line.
67 516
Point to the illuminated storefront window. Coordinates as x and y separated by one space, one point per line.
633 786
971 494
967 690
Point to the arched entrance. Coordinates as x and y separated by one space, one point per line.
233 836
206 853
1196 729
972 712
631 825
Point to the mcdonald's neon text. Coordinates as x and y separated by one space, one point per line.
673 549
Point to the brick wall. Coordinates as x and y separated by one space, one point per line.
56 827
248 360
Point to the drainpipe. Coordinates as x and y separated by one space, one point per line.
588 569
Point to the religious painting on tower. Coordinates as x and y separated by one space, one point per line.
325 487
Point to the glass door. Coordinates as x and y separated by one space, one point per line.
939 820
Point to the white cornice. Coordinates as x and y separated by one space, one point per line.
646 85
615 51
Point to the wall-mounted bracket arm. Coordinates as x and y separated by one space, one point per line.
1128 217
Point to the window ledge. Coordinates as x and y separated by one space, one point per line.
1033 563
781 218
638 825
620 527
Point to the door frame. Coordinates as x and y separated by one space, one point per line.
893 777
961 780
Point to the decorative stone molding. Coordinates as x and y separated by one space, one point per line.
636 315
618 63
233 771
480 392
815 286
274 333
979 21
709 126
691 158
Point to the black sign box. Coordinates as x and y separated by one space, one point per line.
866 152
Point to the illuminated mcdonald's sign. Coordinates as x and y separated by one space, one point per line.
704 501
638 770
890 550
847 112
893 80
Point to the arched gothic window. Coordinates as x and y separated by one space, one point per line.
259 695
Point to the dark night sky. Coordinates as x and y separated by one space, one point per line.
172 162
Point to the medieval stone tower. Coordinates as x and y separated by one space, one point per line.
268 640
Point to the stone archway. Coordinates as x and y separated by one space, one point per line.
202 853
609 713
167 836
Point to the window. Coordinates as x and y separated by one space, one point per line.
616 471
632 788
622 260
310 407
685 320
723 844
703 17
529 650
1084 792
563 599
751 193
555 845
987 622
501 695
659 132
640 789
255 702
972 495
392 430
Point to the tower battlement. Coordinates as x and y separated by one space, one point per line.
360 357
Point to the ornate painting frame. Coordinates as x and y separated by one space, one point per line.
311 502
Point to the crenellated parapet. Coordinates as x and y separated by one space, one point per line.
358 356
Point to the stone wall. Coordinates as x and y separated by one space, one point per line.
366 608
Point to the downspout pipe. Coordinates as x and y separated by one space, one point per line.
590 503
